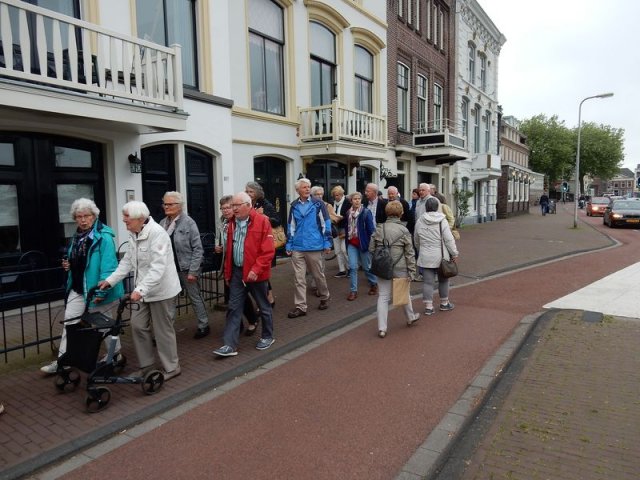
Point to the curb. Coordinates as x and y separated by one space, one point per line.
433 453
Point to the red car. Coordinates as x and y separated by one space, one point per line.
596 206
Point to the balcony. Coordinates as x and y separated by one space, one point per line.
442 142
337 131
58 64
486 166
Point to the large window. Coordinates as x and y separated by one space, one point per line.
483 72
476 129
403 97
363 80
266 45
422 103
464 115
487 131
323 64
437 107
171 21
472 63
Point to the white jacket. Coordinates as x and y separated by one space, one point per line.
427 239
150 257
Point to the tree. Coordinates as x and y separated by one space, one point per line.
601 150
552 147
461 201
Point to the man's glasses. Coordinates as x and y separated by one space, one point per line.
238 205
169 204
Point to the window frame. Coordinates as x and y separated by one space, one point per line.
403 91
360 80
422 95
281 43
438 92
472 63
483 71
324 62
476 128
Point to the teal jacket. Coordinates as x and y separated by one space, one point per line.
101 262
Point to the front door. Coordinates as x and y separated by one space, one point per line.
327 174
158 177
270 173
200 198
40 176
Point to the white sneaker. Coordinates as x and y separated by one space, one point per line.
414 319
51 368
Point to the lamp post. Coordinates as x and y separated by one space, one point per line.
577 194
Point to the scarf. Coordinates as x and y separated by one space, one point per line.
353 222
172 226
82 241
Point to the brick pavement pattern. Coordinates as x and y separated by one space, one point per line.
574 412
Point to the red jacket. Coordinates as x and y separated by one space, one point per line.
258 248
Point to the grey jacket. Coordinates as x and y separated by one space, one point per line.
428 240
187 243
401 248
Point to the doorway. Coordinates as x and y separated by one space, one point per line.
327 174
271 174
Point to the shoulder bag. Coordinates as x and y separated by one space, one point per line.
448 268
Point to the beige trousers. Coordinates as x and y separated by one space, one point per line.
155 318
301 261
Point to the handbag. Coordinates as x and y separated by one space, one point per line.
448 268
382 263
279 237
400 291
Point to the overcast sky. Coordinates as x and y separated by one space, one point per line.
560 51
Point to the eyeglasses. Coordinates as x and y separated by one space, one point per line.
238 205
82 217
169 204
225 207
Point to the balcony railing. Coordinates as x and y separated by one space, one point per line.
43 47
443 133
336 122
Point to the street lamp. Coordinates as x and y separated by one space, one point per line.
577 194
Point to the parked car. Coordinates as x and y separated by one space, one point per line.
622 212
596 206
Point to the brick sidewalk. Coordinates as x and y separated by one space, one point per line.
574 411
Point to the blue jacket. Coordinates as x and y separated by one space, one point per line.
308 226
366 228
101 262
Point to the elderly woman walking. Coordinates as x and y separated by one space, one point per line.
91 257
150 256
433 237
187 250
395 234
359 227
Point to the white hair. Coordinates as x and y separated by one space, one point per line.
136 209
316 189
83 205
244 197
300 181
177 195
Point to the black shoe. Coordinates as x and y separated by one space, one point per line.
324 304
202 332
296 312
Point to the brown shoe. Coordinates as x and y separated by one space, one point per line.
352 296
296 312
373 290
324 304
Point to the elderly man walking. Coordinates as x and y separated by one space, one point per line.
374 204
309 234
407 215
247 267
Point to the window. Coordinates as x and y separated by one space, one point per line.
422 103
323 65
171 21
409 10
441 28
400 8
472 63
476 129
403 97
266 45
417 22
364 80
483 72
487 131
464 115
437 107
436 24
428 9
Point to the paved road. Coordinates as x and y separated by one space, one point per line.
350 404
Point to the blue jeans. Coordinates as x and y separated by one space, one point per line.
238 294
356 255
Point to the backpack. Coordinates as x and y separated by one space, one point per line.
382 263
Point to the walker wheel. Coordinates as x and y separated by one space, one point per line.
152 382
67 380
97 399
118 366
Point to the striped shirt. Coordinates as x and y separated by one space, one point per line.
239 235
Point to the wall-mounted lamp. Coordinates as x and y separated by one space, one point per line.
135 163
